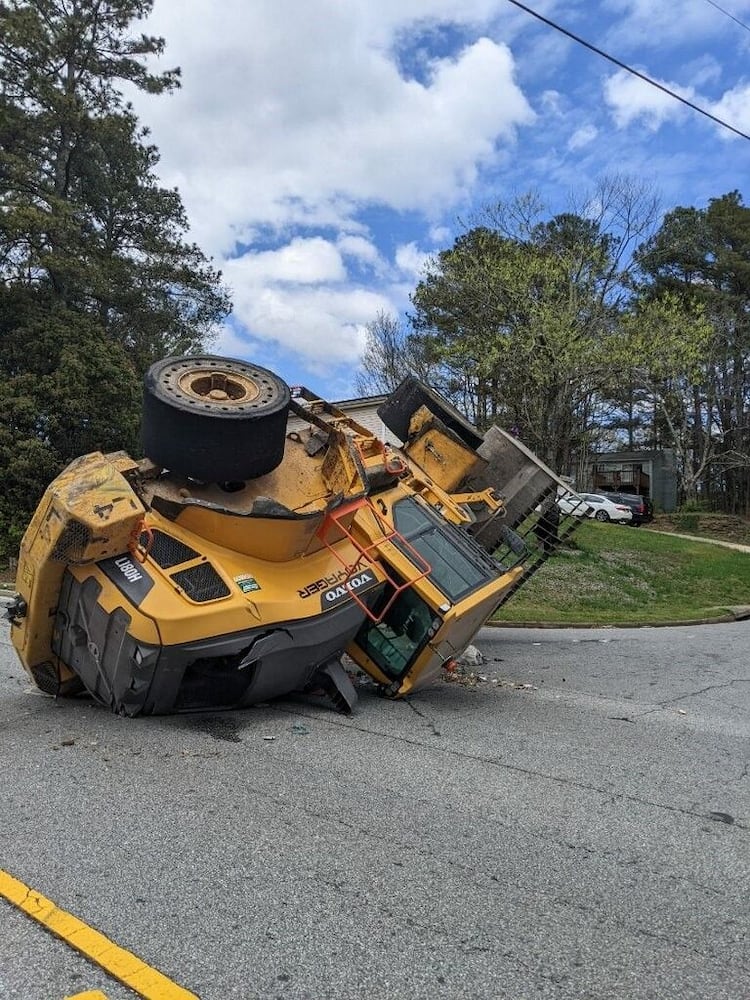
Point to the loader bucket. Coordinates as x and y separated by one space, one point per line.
518 475
397 411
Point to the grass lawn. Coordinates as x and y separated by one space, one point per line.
617 575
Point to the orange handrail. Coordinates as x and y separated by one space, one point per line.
371 553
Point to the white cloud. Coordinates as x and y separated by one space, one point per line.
319 145
411 260
440 236
550 101
230 343
329 132
295 119
287 120
309 261
734 108
323 325
654 23
582 137
362 250
631 99
704 71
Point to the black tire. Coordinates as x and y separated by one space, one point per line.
214 419
396 412
601 515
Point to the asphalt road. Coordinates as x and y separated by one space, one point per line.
574 826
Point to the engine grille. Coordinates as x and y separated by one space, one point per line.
167 551
201 583
72 543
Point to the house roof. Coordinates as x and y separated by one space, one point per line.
361 401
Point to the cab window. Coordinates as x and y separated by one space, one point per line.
395 642
458 565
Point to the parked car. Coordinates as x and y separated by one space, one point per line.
594 505
641 507
572 503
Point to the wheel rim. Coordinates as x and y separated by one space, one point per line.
231 386
226 388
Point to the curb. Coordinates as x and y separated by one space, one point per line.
737 546
737 614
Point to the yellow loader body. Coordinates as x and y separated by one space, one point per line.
157 591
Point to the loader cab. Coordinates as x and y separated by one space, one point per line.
397 640
431 621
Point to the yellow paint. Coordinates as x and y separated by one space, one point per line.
89 995
439 453
115 961
87 513
313 535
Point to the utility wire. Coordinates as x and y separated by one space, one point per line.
629 69
735 19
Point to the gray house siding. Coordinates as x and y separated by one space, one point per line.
659 466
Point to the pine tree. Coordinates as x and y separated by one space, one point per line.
97 277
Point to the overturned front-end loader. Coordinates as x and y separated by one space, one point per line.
266 534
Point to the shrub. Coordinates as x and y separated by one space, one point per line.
686 522
695 507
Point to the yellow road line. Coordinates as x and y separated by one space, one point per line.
88 995
116 962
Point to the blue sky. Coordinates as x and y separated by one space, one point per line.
325 149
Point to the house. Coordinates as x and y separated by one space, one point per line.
648 473
365 411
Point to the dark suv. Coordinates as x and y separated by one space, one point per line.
641 507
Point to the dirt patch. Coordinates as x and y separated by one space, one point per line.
724 527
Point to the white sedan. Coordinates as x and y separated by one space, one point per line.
594 505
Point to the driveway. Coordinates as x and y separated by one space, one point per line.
571 824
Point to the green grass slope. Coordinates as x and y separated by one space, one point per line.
616 575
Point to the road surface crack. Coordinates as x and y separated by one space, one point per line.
422 715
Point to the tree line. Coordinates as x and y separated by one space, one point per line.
97 276
597 326
603 327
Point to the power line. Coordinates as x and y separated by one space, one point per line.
735 19
629 69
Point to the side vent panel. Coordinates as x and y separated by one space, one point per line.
167 551
201 583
